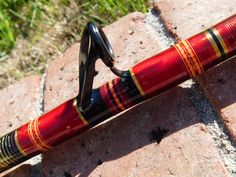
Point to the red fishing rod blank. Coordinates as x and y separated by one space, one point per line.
184 60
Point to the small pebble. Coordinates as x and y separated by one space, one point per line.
232 156
227 163
130 32
224 142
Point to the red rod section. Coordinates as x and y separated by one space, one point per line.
185 60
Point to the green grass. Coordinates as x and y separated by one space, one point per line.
32 27
19 17
6 34
106 11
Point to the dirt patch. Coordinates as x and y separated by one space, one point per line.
62 26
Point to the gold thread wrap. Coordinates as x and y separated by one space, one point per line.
136 82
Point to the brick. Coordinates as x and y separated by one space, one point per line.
186 18
220 84
23 171
191 17
19 104
131 43
125 147
62 82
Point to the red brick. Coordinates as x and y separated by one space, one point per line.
131 43
122 147
62 81
190 18
23 171
220 84
186 18
19 104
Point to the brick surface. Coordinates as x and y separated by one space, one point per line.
127 145
19 103
23 171
187 17
62 80
220 84
131 43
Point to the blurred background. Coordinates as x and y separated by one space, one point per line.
32 32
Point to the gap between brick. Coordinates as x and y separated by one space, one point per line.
222 141
36 161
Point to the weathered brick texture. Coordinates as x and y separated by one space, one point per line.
62 82
220 84
19 103
186 18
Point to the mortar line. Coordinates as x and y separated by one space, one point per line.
224 144
226 148
41 94
155 24
36 161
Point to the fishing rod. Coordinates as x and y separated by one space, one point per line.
186 59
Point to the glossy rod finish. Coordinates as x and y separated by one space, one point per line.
184 60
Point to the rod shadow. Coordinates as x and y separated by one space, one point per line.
144 124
